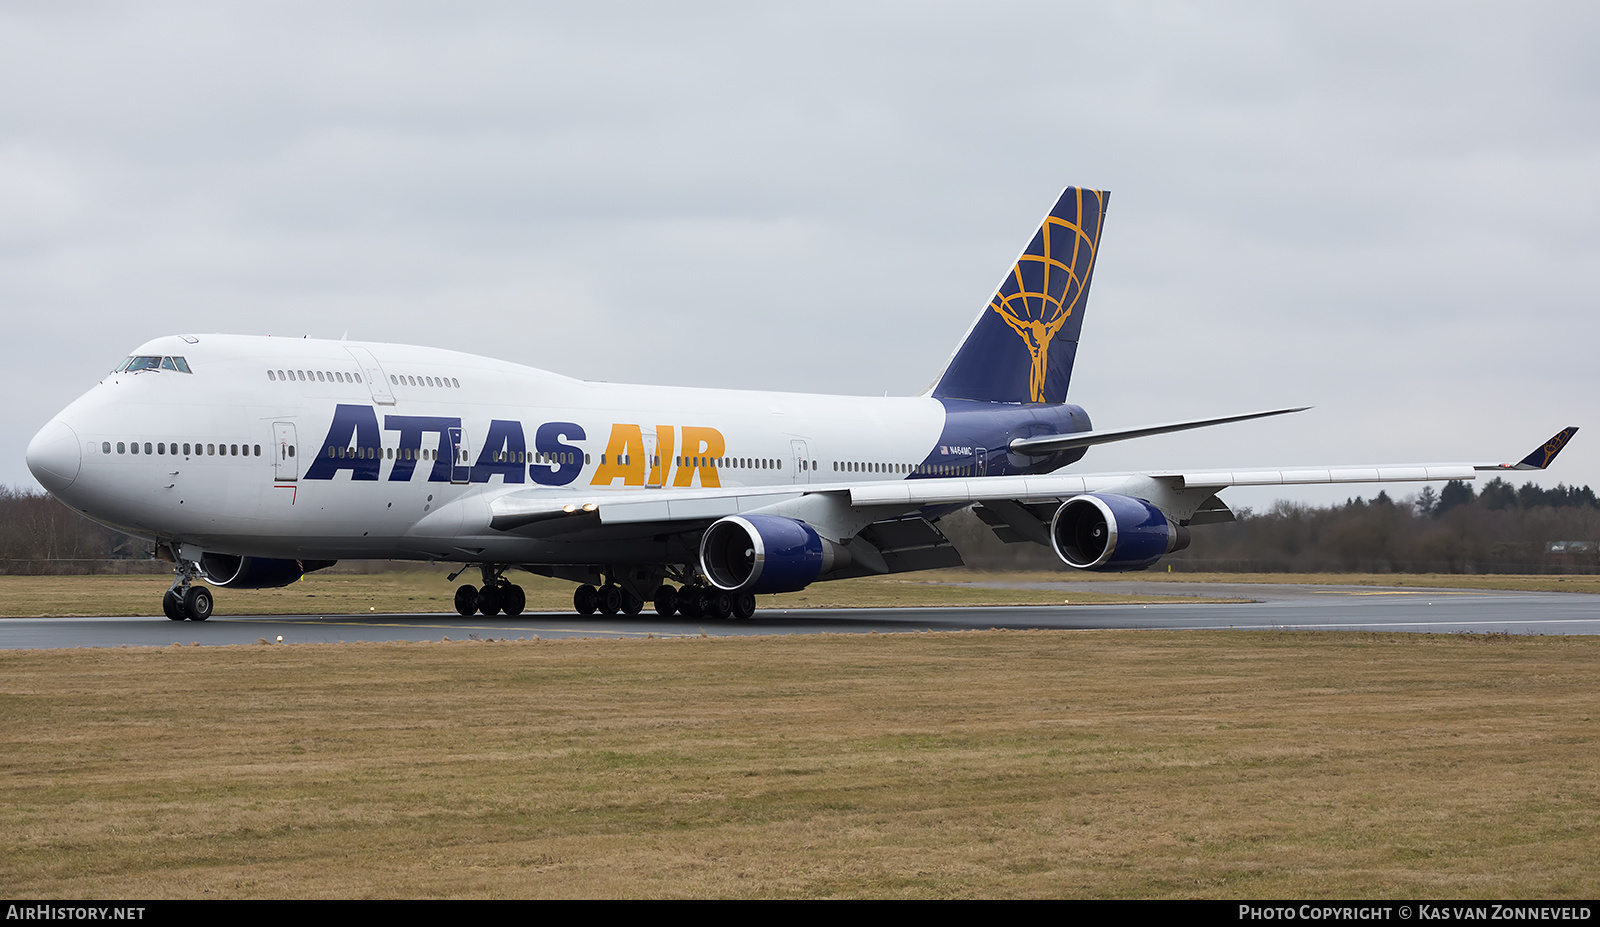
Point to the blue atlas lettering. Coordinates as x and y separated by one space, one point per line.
561 462
504 451
354 427
412 428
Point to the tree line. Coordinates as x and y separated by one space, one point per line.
1500 528
40 535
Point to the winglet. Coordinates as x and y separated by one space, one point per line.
1542 456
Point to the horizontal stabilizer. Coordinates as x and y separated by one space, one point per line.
1541 456
1044 445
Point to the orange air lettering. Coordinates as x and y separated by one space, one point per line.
702 445
626 443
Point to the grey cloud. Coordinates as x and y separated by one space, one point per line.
1388 211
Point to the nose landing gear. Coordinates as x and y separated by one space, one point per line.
184 601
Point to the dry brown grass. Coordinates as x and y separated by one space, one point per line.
1107 764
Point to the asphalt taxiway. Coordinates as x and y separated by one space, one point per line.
1277 607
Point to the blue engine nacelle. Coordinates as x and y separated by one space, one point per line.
1107 532
766 553
255 572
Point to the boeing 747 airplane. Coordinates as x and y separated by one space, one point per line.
251 461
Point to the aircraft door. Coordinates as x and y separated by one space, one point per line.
377 380
801 461
655 475
460 468
285 466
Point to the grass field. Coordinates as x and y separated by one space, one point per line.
414 591
1054 764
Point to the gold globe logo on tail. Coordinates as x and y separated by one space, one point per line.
1554 446
1037 309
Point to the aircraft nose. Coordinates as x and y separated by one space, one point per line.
54 456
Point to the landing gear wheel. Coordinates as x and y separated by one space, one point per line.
466 600
744 606
666 601
586 600
689 602
631 604
172 605
513 600
721 604
197 603
610 599
489 601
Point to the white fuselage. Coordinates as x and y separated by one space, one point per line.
227 456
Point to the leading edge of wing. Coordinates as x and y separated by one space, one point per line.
1043 445
613 506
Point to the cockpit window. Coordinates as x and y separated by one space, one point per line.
152 362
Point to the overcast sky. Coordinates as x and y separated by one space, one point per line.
1387 211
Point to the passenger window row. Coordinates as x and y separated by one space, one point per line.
407 453
199 450
858 466
534 457
729 463
384 453
314 376
338 376
409 380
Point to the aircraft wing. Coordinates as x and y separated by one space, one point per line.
841 508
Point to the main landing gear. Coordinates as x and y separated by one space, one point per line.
497 595
185 601
693 601
607 600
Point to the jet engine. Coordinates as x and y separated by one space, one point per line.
766 553
255 572
1106 532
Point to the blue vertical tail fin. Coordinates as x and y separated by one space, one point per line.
1023 344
